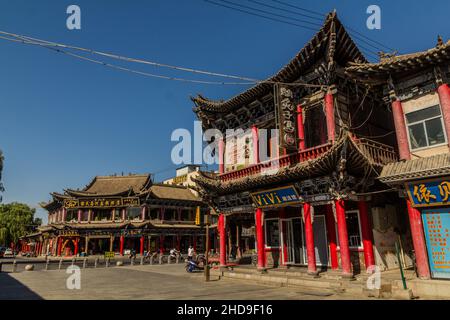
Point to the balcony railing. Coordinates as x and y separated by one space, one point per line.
284 161
377 153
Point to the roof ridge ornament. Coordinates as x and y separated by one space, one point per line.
440 42
387 55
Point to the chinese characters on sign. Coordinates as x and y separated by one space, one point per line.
429 193
286 118
101 203
436 225
276 197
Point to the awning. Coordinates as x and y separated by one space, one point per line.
422 168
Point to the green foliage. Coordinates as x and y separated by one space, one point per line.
16 220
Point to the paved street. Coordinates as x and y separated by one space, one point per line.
143 282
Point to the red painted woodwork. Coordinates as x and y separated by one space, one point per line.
400 130
309 236
331 235
300 129
343 238
75 250
161 244
366 233
420 249
79 215
260 238
329 112
142 246
221 156
122 239
223 240
255 139
59 246
444 99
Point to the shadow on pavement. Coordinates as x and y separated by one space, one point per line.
11 289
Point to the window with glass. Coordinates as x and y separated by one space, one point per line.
272 233
154 213
102 215
425 127
133 213
353 229
71 215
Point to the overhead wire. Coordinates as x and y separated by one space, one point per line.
58 48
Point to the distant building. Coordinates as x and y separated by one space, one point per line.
120 213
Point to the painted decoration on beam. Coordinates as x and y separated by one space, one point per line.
429 193
276 197
436 224
286 117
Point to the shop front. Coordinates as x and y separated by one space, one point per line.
431 198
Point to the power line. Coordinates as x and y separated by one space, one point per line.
270 13
58 48
299 8
368 51
259 15
349 29
285 10
113 66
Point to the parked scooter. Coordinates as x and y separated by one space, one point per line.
198 264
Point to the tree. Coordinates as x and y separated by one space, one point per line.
2 158
16 220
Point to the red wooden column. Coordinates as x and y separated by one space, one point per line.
300 129
343 238
255 139
329 112
309 235
59 246
122 240
366 233
444 99
223 240
221 148
260 239
282 215
400 130
194 241
331 234
75 250
142 246
420 249
161 244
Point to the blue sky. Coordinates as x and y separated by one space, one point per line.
63 121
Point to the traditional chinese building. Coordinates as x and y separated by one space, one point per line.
309 190
120 213
417 87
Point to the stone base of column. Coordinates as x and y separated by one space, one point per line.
348 276
261 270
314 274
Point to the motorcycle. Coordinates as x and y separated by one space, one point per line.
198 264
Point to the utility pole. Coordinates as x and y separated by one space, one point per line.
207 277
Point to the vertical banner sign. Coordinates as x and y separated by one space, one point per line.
286 117
436 224
197 216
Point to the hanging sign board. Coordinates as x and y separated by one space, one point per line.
286 116
436 224
276 197
429 193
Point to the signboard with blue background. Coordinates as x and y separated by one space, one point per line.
276 197
436 224
429 193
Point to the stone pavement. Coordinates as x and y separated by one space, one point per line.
146 282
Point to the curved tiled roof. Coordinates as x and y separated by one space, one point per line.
428 167
325 40
401 63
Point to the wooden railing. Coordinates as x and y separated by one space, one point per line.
376 152
284 161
